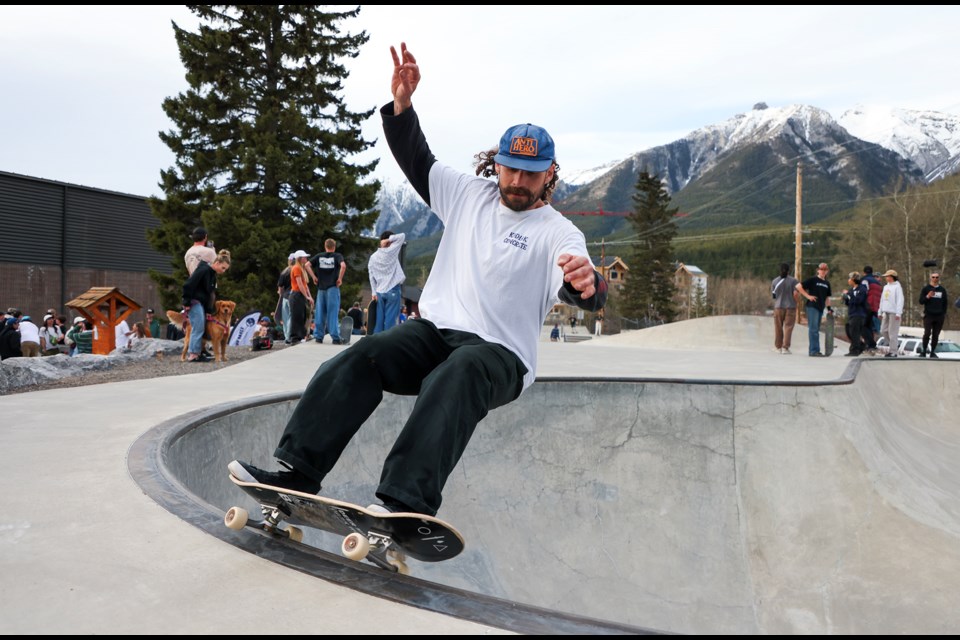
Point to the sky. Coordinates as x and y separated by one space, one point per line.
82 87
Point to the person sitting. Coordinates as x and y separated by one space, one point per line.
138 333
263 337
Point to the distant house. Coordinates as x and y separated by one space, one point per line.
691 285
614 271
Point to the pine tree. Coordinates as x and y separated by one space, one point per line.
261 139
648 294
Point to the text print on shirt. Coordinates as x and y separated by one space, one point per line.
517 240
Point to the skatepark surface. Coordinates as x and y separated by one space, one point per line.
682 479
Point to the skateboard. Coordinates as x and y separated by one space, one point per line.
346 329
383 539
829 327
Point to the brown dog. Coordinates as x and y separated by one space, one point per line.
217 329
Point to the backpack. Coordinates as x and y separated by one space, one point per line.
874 293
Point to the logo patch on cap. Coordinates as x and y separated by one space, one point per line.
523 146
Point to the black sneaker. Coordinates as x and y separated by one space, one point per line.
933 354
293 480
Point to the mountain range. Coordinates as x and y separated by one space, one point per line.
743 171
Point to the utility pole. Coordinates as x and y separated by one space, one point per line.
798 242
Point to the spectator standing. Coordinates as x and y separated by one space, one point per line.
199 298
874 293
891 311
934 298
71 338
283 290
817 292
29 338
10 338
300 298
856 300
50 336
84 338
386 279
201 251
122 333
152 324
555 333
328 267
784 291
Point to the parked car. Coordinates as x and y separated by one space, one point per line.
909 346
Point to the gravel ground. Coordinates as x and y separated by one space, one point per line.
149 368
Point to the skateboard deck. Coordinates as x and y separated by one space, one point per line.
346 329
829 328
383 539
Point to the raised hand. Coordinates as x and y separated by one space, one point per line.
406 77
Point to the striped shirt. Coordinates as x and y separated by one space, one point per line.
384 265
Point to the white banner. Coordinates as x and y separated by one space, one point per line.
243 332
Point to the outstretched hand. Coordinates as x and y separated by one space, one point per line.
406 77
579 272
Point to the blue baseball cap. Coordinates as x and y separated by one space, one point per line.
526 147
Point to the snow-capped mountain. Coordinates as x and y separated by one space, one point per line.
743 169
930 138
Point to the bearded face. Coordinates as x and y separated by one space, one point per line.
521 190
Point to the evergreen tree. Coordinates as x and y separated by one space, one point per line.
261 140
649 291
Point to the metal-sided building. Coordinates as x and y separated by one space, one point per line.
57 240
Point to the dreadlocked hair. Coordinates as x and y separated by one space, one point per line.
485 168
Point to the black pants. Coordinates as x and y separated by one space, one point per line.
298 316
868 331
457 378
932 326
858 333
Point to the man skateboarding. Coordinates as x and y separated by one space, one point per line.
505 258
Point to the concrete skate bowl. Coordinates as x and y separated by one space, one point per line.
686 508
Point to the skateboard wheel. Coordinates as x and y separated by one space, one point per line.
236 518
355 546
295 534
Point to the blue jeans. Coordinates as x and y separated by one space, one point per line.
326 313
388 309
285 310
198 325
813 329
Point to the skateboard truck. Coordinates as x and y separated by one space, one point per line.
237 518
376 547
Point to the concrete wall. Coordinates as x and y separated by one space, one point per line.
692 508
